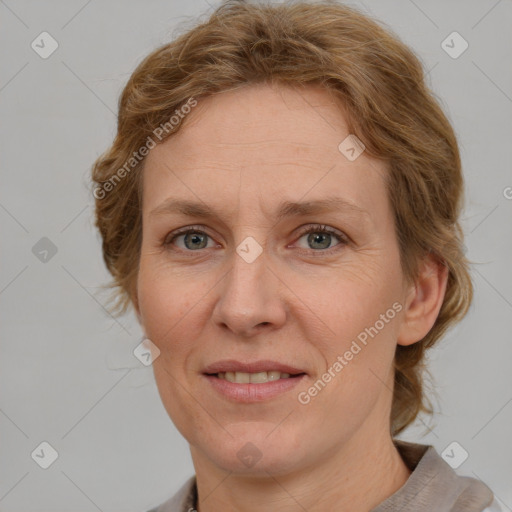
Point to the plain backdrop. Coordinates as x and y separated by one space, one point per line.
68 375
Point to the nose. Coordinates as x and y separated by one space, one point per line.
250 297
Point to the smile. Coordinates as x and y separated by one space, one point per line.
253 378
253 387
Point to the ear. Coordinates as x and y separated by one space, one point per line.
424 300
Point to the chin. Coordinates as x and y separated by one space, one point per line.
257 452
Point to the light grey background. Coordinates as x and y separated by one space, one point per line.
68 375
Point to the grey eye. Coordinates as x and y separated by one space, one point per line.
319 240
193 240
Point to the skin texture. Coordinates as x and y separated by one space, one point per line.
300 302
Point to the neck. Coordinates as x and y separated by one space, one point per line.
356 477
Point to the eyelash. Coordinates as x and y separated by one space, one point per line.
317 228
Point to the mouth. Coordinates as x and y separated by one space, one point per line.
261 369
255 377
256 381
253 386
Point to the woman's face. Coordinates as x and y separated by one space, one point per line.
250 284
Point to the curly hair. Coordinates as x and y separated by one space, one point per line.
381 85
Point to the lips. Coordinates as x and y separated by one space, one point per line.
247 391
231 365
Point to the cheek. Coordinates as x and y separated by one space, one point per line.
166 305
357 321
358 369
170 321
349 305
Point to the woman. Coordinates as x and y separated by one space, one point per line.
280 206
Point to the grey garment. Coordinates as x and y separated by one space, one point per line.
432 486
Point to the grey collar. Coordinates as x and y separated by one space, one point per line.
434 485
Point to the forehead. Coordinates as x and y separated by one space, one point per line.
250 116
265 142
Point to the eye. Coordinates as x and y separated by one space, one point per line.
194 238
319 237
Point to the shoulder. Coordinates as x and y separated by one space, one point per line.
433 483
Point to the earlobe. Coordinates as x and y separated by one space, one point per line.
424 301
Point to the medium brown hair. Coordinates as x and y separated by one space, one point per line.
388 105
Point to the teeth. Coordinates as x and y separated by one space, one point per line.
254 378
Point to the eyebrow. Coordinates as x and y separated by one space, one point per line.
285 209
